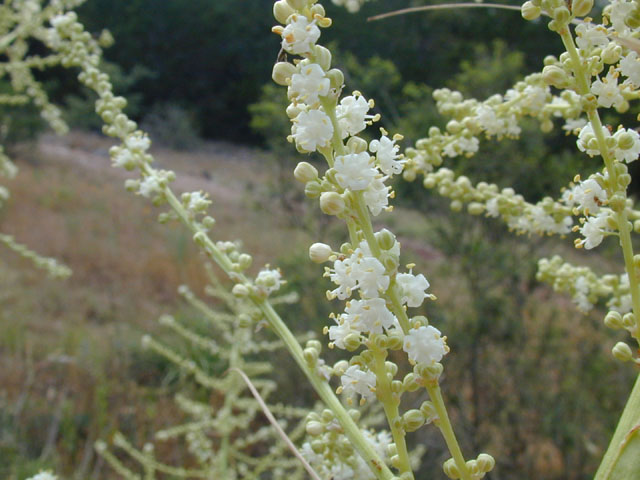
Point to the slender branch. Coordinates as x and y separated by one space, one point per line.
443 6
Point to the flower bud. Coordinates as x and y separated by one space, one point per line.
581 8
352 342
305 172
629 320
529 11
244 320
485 462
357 145
340 367
428 411
450 468
323 57
613 320
331 203
240 290
244 261
625 140
555 76
621 351
282 72
310 355
617 203
319 252
409 382
611 53
561 15
336 78
282 10
314 428
298 4
412 420
312 189
386 239
315 344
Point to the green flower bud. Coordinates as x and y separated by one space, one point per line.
409 383
386 239
624 180
396 340
240 290
244 320
581 8
352 342
629 320
340 367
244 261
395 461
319 252
621 351
613 320
327 415
625 141
611 54
354 414
453 127
336 78
314 428
315 344
529 11
282 10
397 386
282 72
313 189
298 4
428 411
451 469
305 172
633 19
555 76
323 57
357 145
617 203
475 208
456 205
331 203
561 15
485 462
318 9
412 420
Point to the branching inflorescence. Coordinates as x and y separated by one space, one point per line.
599 69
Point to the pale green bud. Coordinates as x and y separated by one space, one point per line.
456 205
621 351
409 383
429 181
331 203
485 462
613 320
319 252
282 10
327 415
625 141
386 239
323 57
244 261
336 78
529 11
396 340
305 172
412 420
392 449
633 19
293 111
310 355
208 222
244 320
555 76
314 428
451 469
428 409
561 15
240 290
472 467
546 126
581 8
318 9
624 180
352 342
617 203
313 189
636 226
397 386
282 72
611 54
340 367
357 145
475 208
354 414
453 127
430 372
298 4
395 461
629 320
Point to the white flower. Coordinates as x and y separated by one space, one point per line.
352 114
149 186
137 142
535 98
492 207
389 161
368 316
588 195
269 280
309 84
590 36
619 11
198 202
585 138
630 68
574 125
425 345
311 130
370 274
376 196
43 476
488 120
341 276
593 230
581 292
300 35
122 157
354 171
338 333
413 288
628 145
607 90
356 381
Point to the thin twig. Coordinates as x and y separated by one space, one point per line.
275 424
443 6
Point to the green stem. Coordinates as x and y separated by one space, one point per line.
444 424
390 404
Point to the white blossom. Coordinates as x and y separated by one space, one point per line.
300 35
312 129
588 196
356 381
590 36
369 315
339 332
386 150
619 11
309 84
607 90
376 196
354 171
585 137
630 67
425 345
593 230
149 186
269 280
630 140
413 288
352 114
